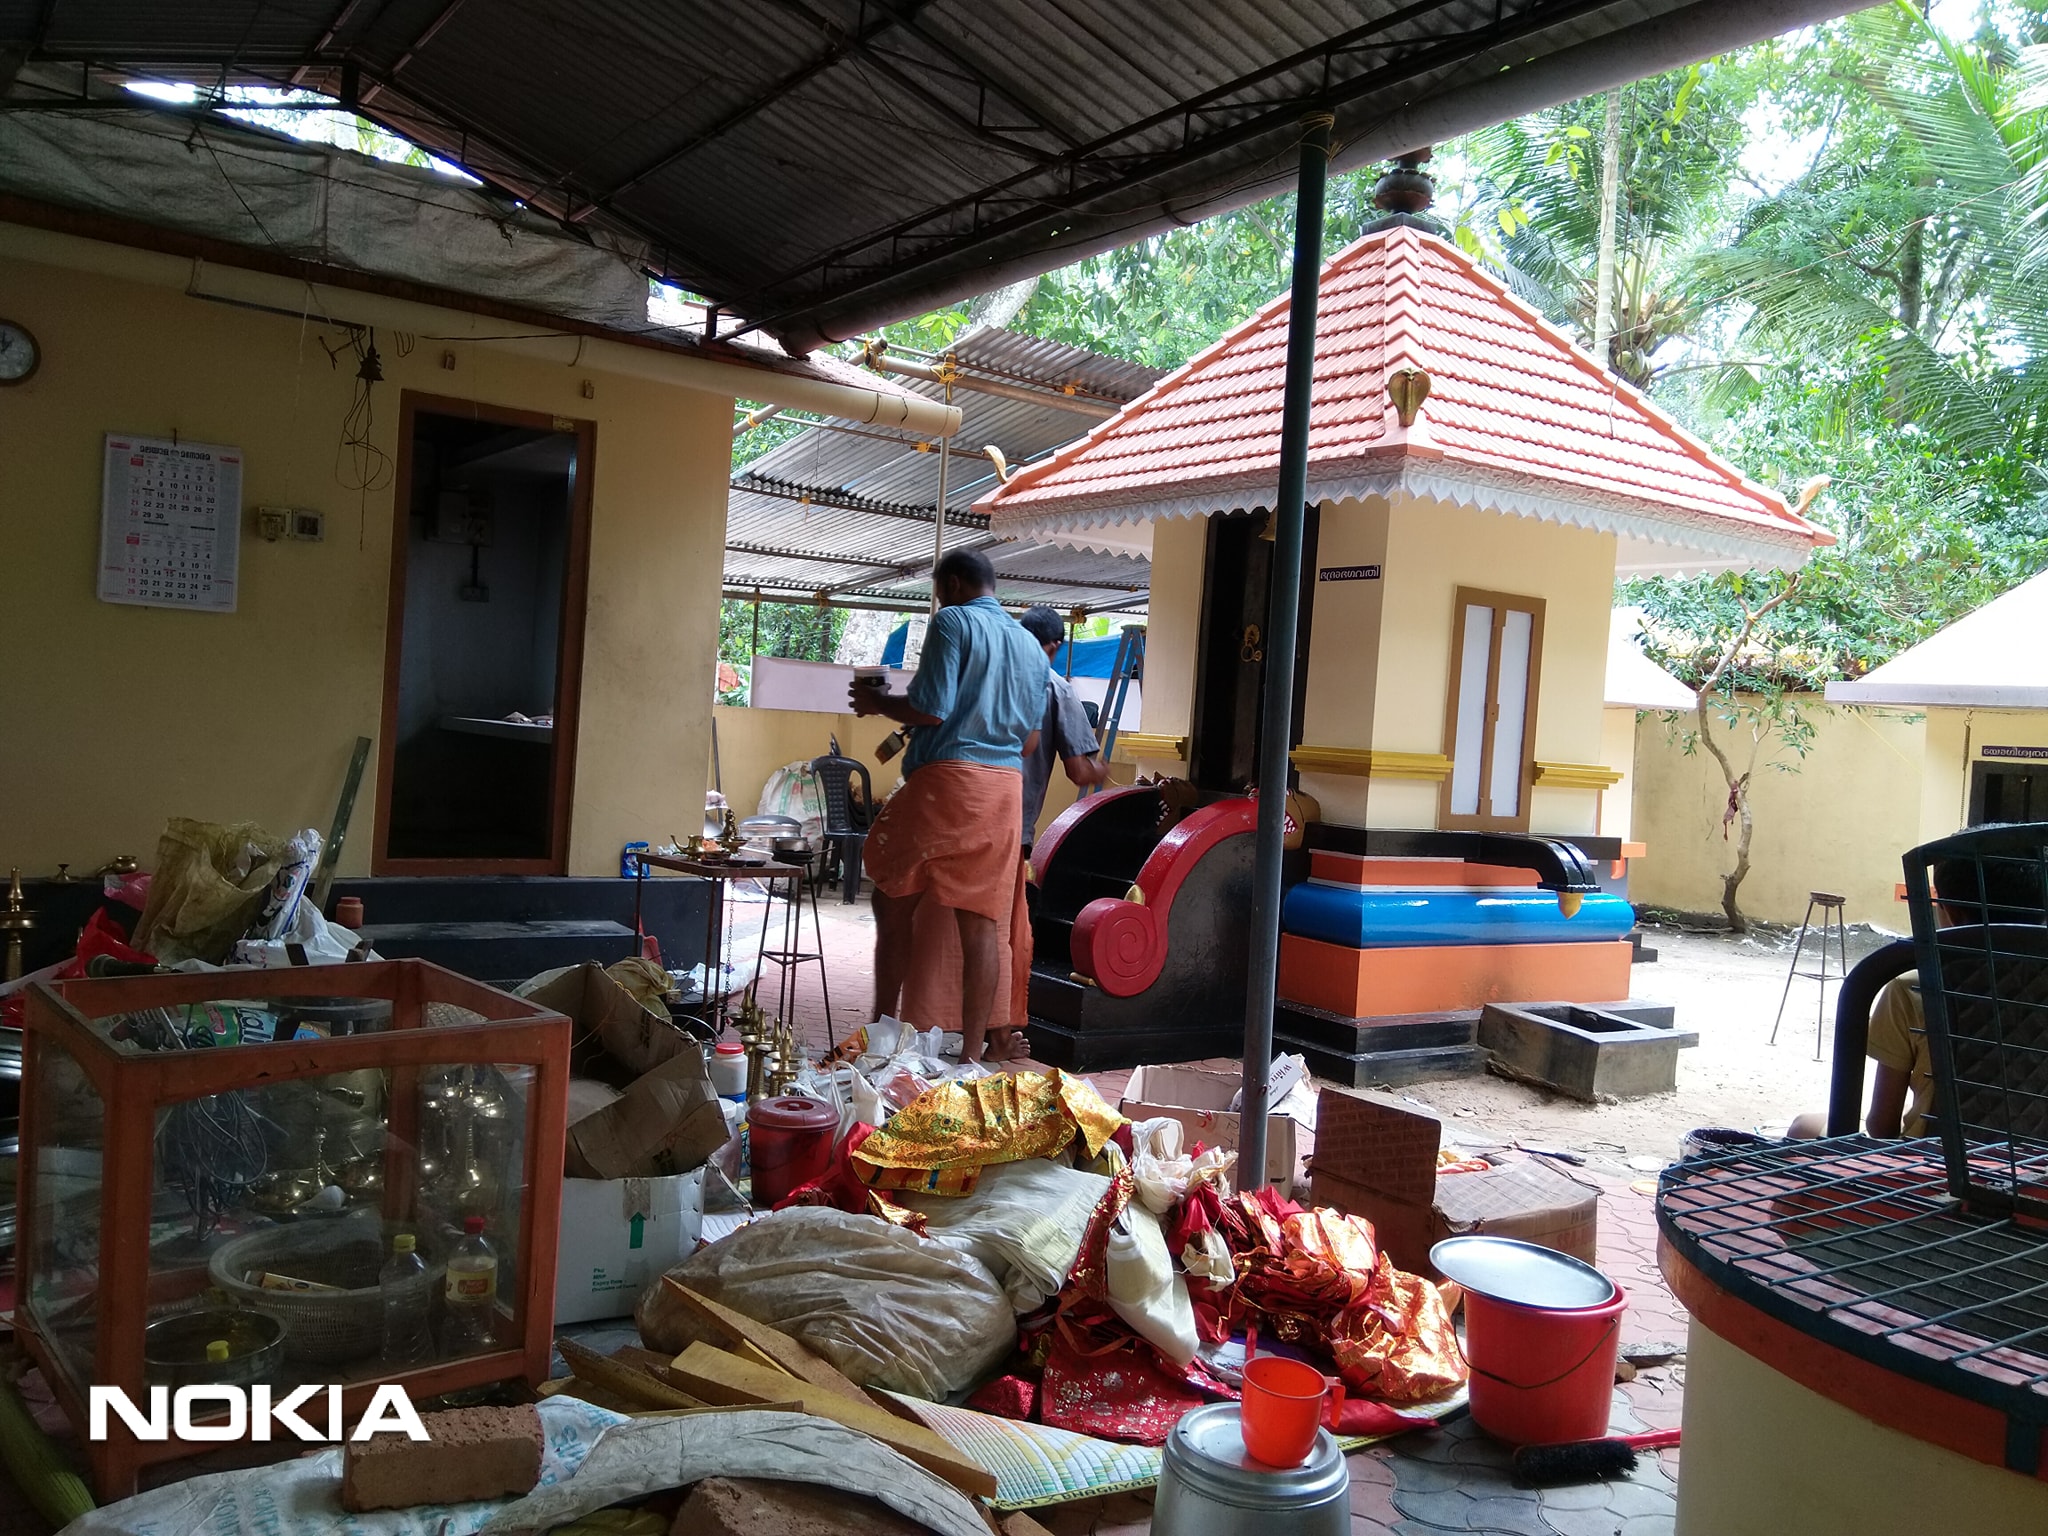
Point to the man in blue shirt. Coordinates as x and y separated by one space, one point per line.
951 832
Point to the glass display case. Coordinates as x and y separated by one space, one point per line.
217 1170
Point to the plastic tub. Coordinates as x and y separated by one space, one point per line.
1542 1334
790 1144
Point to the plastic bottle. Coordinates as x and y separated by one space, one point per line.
728 1068
472 1294
408 1339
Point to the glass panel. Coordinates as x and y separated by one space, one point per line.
1504 785
1471 733
70 1122
276 1210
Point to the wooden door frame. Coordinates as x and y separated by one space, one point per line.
569 646
1500 603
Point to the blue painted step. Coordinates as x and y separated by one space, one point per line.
1390 918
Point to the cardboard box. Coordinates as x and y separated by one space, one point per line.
1376 1157
667 1123
1200 1101
620 1235
608 1019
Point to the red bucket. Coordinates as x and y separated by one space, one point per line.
1542 1375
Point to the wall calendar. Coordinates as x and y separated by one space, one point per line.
170 523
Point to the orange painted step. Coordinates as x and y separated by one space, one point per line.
1372 983
1362 870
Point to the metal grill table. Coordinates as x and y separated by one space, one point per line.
1857 1242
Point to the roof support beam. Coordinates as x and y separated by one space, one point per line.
924 97
412 49
744 112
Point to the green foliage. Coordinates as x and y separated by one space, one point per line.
794 630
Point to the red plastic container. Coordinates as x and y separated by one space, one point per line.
1282 1409
790 1144
1541 1375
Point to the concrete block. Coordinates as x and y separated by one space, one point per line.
1585 1052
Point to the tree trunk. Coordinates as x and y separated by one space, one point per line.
1610 198
1732 881
1738 809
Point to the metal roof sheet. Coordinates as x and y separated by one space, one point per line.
850 514
823 166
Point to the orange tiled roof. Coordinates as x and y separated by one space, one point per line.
1517 419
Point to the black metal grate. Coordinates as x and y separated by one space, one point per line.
1858 1243
1981 933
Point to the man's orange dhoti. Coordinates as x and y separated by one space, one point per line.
952 832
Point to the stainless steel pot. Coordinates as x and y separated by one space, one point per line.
1210 1486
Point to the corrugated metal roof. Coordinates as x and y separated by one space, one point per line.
850 514
823 166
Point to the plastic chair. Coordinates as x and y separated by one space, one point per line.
845 830
1853 1002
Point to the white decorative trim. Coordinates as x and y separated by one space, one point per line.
1638 519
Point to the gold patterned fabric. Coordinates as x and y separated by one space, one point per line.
940 1142
1317 1277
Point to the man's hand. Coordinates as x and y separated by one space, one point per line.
865 699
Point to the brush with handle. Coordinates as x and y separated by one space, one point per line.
1586 1461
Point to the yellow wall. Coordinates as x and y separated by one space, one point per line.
753 743
1956 739
1173 630
1766 1456
1840 823
119 717
1390 692
1344 657
1618 751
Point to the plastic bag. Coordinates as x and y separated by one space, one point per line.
210 886
309 940
1024 1221
886 1307
287 885
1164 1172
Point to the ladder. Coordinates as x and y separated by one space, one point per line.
1129 668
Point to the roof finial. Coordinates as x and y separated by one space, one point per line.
1404 194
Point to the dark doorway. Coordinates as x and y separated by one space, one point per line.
1237 584
483 656
2008 792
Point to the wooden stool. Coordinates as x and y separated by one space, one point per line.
1830 917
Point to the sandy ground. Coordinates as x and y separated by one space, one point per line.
1726 989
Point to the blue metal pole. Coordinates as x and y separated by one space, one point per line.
1276 721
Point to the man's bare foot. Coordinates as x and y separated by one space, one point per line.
1007 1045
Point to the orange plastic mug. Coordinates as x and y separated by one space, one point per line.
1282 1409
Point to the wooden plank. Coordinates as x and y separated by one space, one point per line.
764 1345
623 1380
720 1377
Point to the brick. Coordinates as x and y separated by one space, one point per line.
746 1506
469 1453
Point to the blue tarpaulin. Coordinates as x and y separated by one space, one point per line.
899 638
1092 658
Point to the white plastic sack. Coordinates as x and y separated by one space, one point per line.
1144 1289
883 1305
1024 1221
